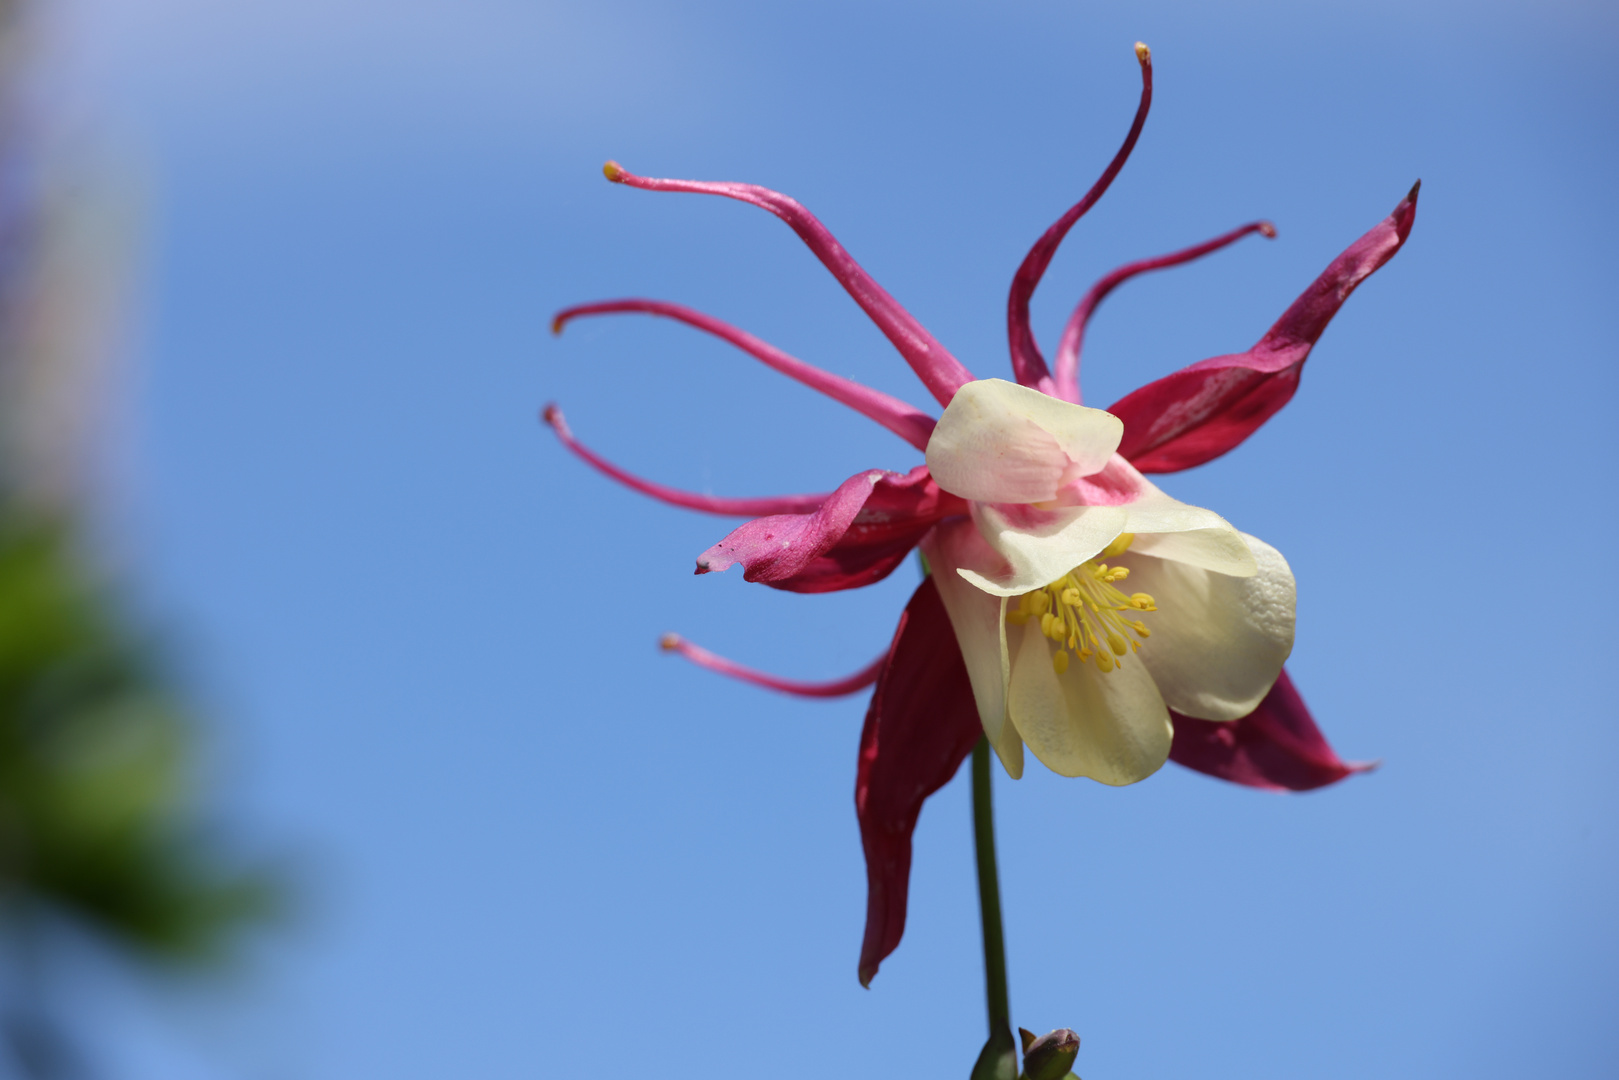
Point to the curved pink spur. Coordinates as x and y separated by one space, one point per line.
939 371
1028 366
690 500
1066 376
849 684
905 420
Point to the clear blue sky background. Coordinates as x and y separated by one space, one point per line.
429 634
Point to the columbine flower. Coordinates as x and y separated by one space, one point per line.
1072 605
1054 587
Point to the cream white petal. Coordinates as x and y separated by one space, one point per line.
1029 547
1111 726
1218 642
979 621
1001 442
1170 529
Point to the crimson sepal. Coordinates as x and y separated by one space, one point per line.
1276 747
1201 411
859 535
921 725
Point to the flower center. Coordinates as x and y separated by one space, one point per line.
1080 611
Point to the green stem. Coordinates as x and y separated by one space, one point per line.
989 894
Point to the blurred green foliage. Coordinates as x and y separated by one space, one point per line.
94 767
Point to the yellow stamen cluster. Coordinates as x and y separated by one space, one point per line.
1080 611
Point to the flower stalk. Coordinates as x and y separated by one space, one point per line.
998 1059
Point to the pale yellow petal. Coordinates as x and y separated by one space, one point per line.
1170 529
1111 726
979 621
1218 641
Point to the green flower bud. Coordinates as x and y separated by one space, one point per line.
1050 1056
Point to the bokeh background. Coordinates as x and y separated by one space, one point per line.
529 845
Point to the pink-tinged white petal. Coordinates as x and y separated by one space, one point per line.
1028 366
1032 545
1163 525
1218 642
858 535
1118 483
1111 726
1170 529
1277 747
904 420
921 724
1204 410
1027 547
1001 442
979 620
1065 377
849 684
690 500
939 371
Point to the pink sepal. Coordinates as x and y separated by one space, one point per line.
1276 747
1028 366
904 420
941 372
849 684
859 535
1201 411
921 724
690 500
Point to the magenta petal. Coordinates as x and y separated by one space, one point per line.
1277 746
860 533
864 556
939 371
1200 412
921 724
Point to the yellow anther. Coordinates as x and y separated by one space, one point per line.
1082 612
1119 546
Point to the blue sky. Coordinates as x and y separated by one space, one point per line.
428 635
